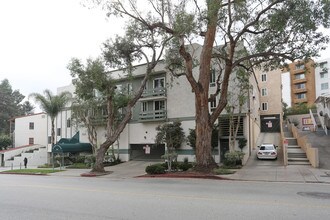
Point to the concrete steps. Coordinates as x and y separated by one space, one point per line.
296 155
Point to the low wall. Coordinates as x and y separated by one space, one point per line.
312 153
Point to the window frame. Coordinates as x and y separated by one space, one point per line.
264 106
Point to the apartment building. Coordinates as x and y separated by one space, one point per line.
302 82
270 86
165 99
29 130
322 77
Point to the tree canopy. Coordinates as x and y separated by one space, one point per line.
232 34
10 105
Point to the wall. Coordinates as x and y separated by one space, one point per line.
23 133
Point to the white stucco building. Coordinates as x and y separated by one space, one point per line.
322 77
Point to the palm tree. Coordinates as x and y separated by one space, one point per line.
52 105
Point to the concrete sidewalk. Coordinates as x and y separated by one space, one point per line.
291 173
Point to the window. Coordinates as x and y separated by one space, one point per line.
213 104
301 96
144 106
299 76
58 132
49 139
324 86
300 86
159 83
31 140
264 92
159 105
323 65
264 106
129 88
324 75
300 66
31 125
212 78
263 77
68 123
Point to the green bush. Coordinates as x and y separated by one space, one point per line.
222 171
90 159
80 159
47 165
155 169
233 158
5 142
79 166
184 166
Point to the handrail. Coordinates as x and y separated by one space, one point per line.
313 119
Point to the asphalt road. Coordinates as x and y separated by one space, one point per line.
51 197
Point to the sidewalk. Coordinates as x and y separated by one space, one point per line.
291 173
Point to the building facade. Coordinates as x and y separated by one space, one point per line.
30 130
322 77
302 81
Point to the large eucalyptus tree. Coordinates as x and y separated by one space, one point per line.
250 33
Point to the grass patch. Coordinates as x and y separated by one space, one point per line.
79 166
48 166
222 171
31 171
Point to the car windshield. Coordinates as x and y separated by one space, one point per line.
266 148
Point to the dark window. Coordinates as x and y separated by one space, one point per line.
31 140
59 132
49 139
31 125
68 123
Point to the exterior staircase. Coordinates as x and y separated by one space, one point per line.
296 155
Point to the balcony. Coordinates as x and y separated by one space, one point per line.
297 101
99 121
299 90
158 115
296 81
149 94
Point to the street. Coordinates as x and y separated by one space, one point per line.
50 197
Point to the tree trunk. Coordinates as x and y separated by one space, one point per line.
98 166
53 132
204 159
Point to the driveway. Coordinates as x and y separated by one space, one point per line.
273 138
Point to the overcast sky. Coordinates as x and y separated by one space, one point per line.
39 37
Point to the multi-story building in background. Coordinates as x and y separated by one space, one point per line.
302 82
269 83
322 77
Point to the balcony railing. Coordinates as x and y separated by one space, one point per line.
299 90
157 115
296 81
154 92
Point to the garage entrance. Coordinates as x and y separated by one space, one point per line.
146 151
270 123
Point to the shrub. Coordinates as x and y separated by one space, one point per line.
79 166
233 158
222 171
184 166
90 159
155 169
47 165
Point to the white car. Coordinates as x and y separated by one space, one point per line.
267 151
